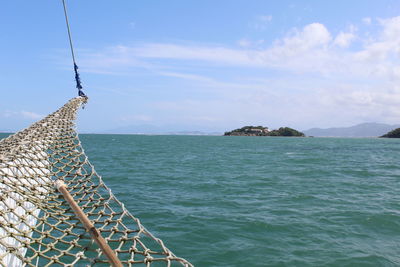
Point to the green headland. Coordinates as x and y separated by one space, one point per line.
264 131
392 134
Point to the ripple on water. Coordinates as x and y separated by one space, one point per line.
221 201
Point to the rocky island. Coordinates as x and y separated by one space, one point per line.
264 131
392 134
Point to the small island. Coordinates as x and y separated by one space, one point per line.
392 134
264 131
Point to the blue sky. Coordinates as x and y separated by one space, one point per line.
203 65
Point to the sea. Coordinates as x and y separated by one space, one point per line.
259 201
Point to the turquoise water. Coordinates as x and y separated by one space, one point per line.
260 201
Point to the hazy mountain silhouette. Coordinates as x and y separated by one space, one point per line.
371 129
135 129
154 129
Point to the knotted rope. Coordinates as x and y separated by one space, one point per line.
37 225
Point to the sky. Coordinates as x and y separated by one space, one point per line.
207 65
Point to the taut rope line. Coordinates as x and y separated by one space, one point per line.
77 77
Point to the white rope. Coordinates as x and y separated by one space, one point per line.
30 162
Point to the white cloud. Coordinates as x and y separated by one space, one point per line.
310 49
311 36
344 39
110 58
185 76
367 21
244 43
323 75
391 28
381 55
220 54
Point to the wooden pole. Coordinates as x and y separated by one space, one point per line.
96 236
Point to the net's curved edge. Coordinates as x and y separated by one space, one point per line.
30 160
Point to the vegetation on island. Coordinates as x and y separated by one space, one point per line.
392 134
264 131
286 131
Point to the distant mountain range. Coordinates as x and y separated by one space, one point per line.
361 130
194 133
152 129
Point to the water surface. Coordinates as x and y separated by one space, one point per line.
260 201
249 201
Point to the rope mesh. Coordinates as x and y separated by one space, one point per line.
38 227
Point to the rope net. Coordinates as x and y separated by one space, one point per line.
38 227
